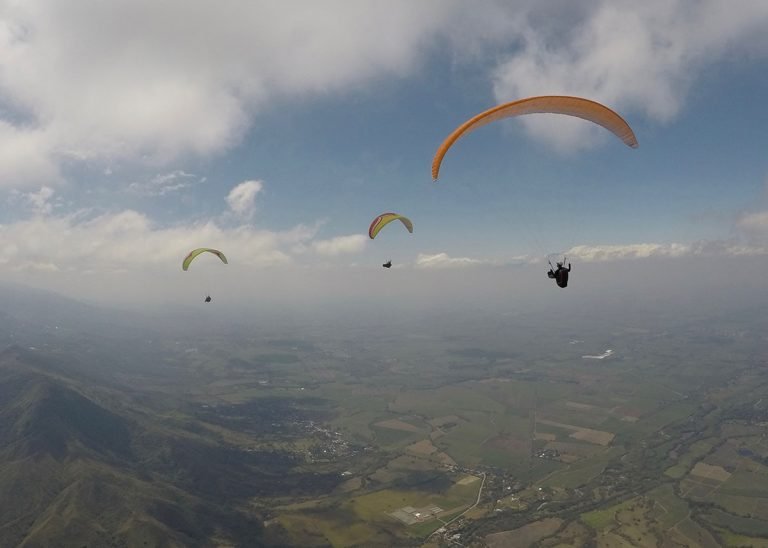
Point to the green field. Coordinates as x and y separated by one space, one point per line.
325 434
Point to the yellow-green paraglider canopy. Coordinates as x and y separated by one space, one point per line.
195 252
384 219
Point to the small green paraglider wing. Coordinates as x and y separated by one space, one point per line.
384 219
195 252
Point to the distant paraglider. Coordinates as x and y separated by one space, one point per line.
192 255
552 104
383 220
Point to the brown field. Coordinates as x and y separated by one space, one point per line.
448 419
351 485
383 475
444 458
690 533
409 462
524 536
396 424
598 437
558 424
423 447
395 468
627 413
577 405
695 489
545 437
512 445
466 480
711 472
727 456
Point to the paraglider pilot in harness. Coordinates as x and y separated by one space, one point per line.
560 275
207 298
388 264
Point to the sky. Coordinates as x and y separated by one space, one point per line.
132 131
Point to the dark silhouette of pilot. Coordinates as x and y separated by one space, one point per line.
560 274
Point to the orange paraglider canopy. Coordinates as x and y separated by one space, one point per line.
552 104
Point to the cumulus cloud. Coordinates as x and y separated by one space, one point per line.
339 245
130 240
127 240
442 260
242 198
134 80
634 56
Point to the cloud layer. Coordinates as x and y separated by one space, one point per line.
638 57
149 81
137 81
129 240
443 260
340 245
714 248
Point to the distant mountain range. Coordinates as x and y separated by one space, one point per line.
75 472
89 455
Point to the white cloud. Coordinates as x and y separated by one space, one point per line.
754 226
633 56
130 81
147 81
622 252
339 245
597 253
602 253
129 240
242 198
442 260
40 201
26 157
165 183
